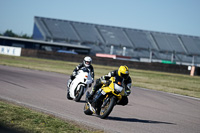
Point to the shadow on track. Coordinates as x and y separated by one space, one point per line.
137 120
82 101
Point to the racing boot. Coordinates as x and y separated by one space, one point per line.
94 89
90 96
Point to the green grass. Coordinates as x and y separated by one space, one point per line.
173 83
22 119
168 82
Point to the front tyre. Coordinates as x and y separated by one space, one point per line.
79 94
108 105
68 96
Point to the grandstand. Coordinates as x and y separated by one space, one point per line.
140 45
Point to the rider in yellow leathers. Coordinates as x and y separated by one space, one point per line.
123 74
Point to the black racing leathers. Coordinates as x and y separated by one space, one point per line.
81 65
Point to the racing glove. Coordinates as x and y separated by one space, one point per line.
106 82
74 73
128 89
128 92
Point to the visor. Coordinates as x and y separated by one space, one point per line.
87 62
125 76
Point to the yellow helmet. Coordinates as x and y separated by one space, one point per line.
123 72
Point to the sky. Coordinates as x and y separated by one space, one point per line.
170 16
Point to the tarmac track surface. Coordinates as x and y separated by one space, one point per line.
147 112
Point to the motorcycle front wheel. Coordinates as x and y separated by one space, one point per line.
107 107
79 94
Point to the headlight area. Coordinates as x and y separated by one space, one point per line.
118 88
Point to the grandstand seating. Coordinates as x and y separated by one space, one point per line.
40 25
114 36
168 43
190 45
96 48
140 39
141 54
87 32
125 41
184 58
60 30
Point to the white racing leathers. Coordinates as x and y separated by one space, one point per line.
80 84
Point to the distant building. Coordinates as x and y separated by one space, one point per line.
141 45
43 45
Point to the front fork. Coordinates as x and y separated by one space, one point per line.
97 99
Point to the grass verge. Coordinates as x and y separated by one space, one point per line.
16 118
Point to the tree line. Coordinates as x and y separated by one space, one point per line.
10 33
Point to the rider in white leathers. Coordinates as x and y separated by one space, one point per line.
87 62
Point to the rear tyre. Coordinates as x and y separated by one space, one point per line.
87 110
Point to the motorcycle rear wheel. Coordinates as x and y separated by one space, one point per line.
87 110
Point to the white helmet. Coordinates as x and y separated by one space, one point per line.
87 61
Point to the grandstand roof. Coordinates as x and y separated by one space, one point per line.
43 42
101 37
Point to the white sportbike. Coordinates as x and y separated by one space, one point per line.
80 84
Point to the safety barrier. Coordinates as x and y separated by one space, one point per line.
172 68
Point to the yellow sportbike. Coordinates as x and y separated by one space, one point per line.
105 98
